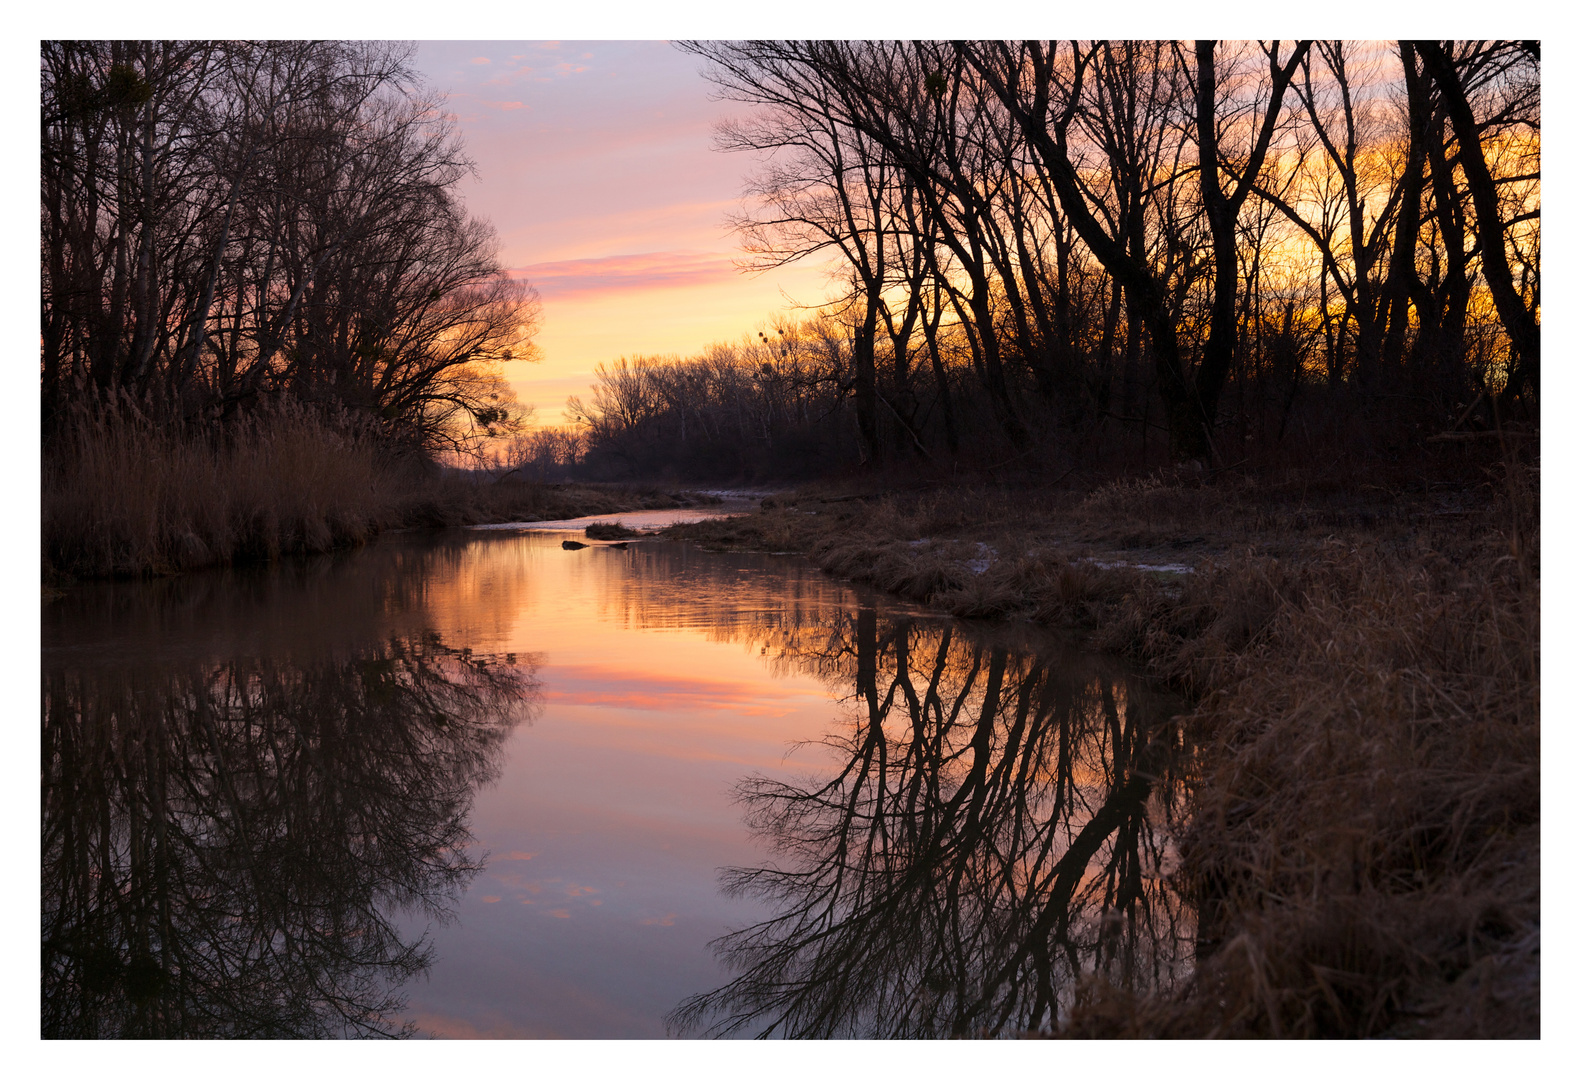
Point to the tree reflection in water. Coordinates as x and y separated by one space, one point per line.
227 847
997 828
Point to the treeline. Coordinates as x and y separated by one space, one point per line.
1138 247
224 223
768 408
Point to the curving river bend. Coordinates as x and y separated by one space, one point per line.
474 784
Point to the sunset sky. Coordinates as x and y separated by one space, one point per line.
595 163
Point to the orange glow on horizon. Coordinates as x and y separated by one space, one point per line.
595 164
600 316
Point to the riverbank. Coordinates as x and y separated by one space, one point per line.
124 498
1364 834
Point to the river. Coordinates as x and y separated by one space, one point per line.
475 784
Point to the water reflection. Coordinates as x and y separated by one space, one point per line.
227 844
260 788
995 828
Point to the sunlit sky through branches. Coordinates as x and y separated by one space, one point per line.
595 163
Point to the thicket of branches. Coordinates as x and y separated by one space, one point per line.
1148 248
772 407
224 222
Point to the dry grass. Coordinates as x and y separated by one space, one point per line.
125 496
608 530
1364 840
438 501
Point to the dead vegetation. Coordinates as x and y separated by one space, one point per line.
122 495
1365 839
438 501
1364 842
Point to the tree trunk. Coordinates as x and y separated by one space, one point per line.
1519 321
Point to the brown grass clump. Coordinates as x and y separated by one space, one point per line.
768 530
122 495
608 530
1366 835
435 501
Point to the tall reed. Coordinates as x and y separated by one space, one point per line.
125 494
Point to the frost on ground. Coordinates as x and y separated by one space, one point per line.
1156 568
984 559
979 565
987 555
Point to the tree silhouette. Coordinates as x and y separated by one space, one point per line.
996 829
227 845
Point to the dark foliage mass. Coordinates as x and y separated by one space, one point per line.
1132 251
227 222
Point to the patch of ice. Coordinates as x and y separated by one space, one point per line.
1156 568
984 559
741 493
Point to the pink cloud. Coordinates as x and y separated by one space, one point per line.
519 856
510 78
651 270
516 883
485 103
666 920
587 685
481 60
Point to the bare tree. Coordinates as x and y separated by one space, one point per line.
1517 313
224 220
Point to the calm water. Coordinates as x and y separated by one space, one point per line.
477 785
